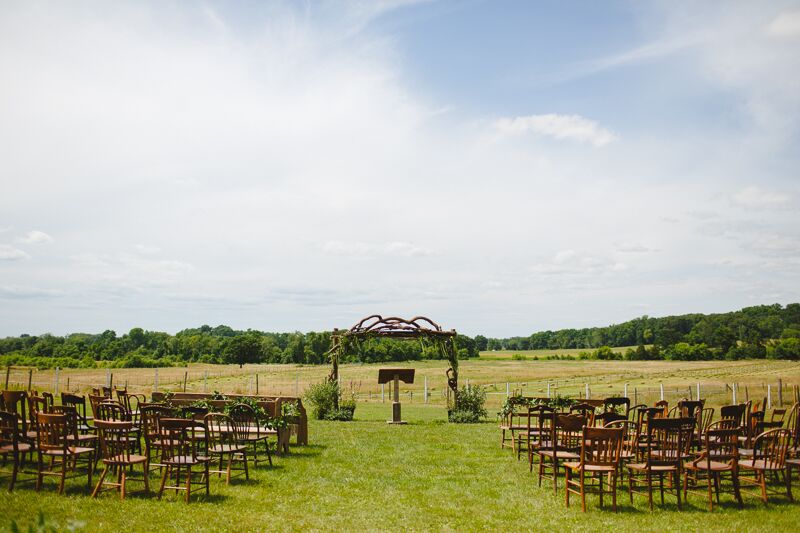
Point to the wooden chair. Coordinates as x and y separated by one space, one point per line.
538 432
617 404
75 437
735 412
565 445
664 452
10 444
79 403
664 406
586 410
252 432
36 404
16 402
720 456
116 452
769 457
224 440
180 438
151 415
600 456
513 426
53 444
629 439
793 425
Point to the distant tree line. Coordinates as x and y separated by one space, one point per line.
751 333
221 344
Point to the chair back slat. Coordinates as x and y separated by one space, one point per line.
601 446
772 446
53 432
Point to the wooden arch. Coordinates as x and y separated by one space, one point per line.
419 327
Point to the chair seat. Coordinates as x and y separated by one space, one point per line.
590 468
746 452
793 462
654 468
82 439
22 447
71 450
758 464
226 448
714 466
186 460
561 454
123 459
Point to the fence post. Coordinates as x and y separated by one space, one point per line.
508 389
8 374
256 384
108 378
185 376
769 396
698 390
55 388
155 381
733 390
30 378
548 389
662 390
426 389
587 391
780 392
626 391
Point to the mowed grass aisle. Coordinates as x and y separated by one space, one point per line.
367 475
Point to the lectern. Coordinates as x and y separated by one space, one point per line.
385 375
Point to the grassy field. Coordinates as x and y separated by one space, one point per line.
497 371
367 475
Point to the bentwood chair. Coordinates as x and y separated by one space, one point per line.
599 457
12 445
769 458
663 457
53 444
224 441
180 439
720 456
116 451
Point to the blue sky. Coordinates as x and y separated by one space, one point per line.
500 167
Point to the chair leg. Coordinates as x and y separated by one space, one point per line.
676 475
122 487
146 466
228 472
167 471
787 478
100 482
736 490
206 476
269 454
763 478
244 460
15 469
566 481
583 492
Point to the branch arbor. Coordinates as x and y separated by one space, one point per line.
420 327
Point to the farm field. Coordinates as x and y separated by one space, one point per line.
754 379
367 475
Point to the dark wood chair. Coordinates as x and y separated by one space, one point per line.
53 444
224 441
180 438
12 445
719 456
565 445
79 403
617 404
151 415
769 458
629 439
586 410
665 446
599 458
539 431
252 431
116 452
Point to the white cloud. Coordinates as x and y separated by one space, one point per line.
9 253
785 25
35 237
560 127
634 248
572 263
362 249
756 197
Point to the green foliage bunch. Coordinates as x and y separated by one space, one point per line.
469 405
324 397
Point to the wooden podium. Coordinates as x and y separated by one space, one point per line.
385 375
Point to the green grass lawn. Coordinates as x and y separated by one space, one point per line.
367 475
